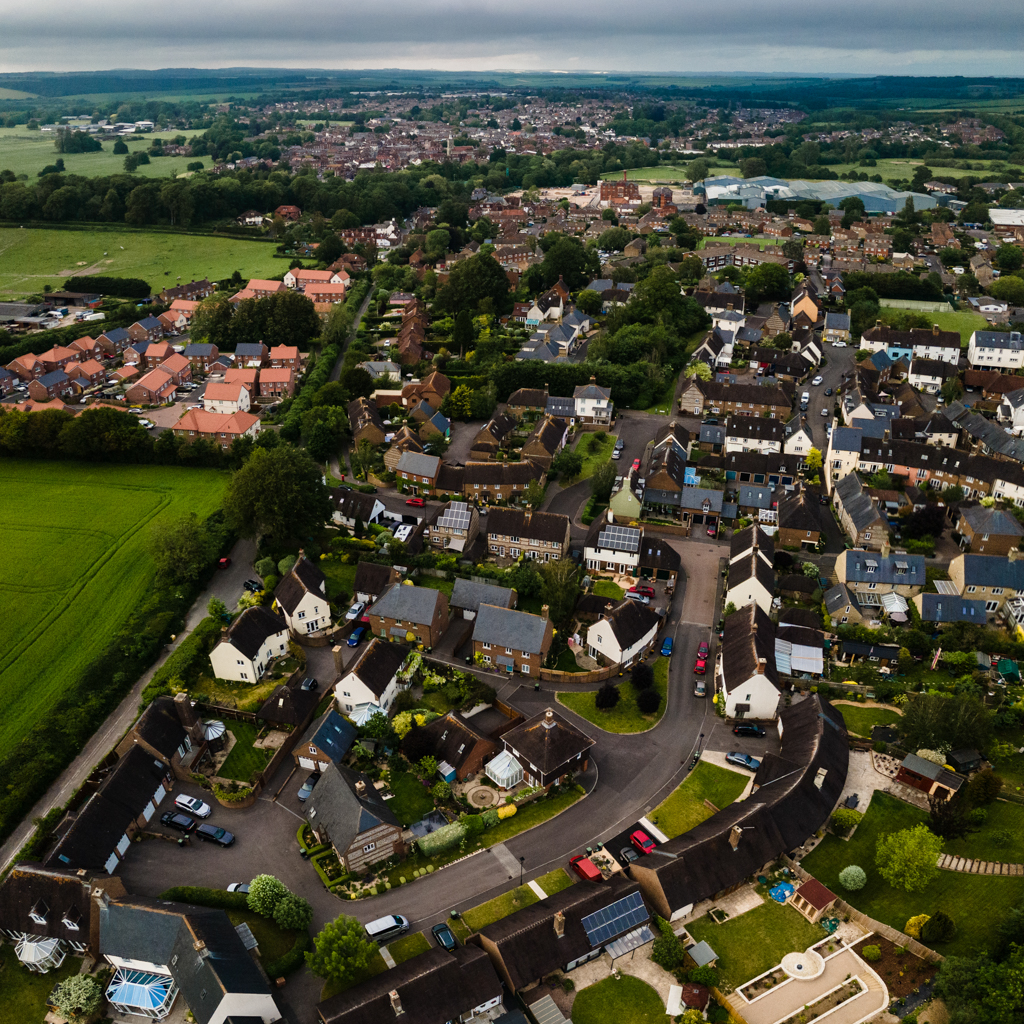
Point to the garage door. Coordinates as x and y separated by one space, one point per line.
645 574
123 845
323 765
307 762
148 811
111 864
663 574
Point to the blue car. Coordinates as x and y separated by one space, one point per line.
666 647
356 636
743 760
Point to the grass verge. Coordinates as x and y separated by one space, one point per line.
555 881
684 808
408 946
625 717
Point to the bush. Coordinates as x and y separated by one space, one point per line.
914 925
853 878
200 896
977 815
270 582
507 811
668 953
264 567
293 913
872 954
648 701
607 697
643 676
286 564
474 824
984 787
265 892
706 976
292 960
490 817
78 997
441 790
940 927
845 820
443 840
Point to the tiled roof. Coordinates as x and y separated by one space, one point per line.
408 604
504 627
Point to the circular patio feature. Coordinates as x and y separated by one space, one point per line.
482 796
804 965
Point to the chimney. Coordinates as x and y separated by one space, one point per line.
360 788
545 611
878 323
199 946
188 718
1015 555
559 922
611 516
529 514
935 329
734 837
885 548
396 1002
625 176
549 719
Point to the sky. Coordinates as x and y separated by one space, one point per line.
912 37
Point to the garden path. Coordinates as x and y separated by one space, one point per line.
978 867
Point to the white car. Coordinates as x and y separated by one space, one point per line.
817 380
355 611
193 805
839 344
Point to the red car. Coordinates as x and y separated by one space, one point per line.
641 589
703 650
636 463
701 666
642 841
223 563
418 502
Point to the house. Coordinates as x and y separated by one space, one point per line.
750 581
874 577
491 437
27 367
432 389
794 793
156 388
859 517
626 500
224 398
277 383
527 401
991 350
59 358
289 707
431 423
217 427
418 473
56 384
708 397
433 988
561 408
249 645
246 376
593 403
346 811
541 751
837 328
372 579
373 682
379 370
565 930
659 561
752 539
545 442
623 633
917 343
612 548
842 606
285 355
156 352
453 527
490 481
149 329
941 609
467 597
461 749
799 440
928 778
299 278
929 375
511 533
404 440
325 742
987 531
754 434
993 579
301 597
365 421
251 355
202 355
170 731
747 674
410 614
757 502
114 341
511 641
799 523
178 367
352 507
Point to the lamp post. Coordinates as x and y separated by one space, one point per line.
700 740
522 861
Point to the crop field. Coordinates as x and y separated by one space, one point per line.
26 152
33 257
77 563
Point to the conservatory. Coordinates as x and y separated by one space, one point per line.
40 954
505 770
141 994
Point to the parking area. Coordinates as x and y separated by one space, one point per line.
719 739
463 436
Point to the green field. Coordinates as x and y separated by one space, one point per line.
33 257
964 322
684 808
667 172
78 564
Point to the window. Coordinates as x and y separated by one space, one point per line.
487 659
312 749
369 847
508 650
971 590
302 615
346 693
487 647
525 654
240 662
991 606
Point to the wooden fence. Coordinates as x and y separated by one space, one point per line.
555 675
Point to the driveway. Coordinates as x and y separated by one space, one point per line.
463 436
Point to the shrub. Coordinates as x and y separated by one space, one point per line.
490 817
474 824
444 839
231 796
984 787
200 896
264 567
871 953
706 976
293 912
853 878
668 952
265 892
270 582
940 927
845 820
977 815
648 701
507 811
880 745
78 997
607 697
441 790
292 960
643 676
914 925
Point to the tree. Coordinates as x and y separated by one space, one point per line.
853 878
947 816
1009 288
602 482
559 588
984 787
534 494
698 170
642 676
568 463
77 998
471 281
607 697
845 820
293 912
568 259
938 928
700 370
1009 257
692 1017
427 764
813 460
322 442
279 491
767 281
648 701
822 225
588 301
342 953
265 892
463 334
783 341
460 403
793 248
691 269
441 790
182 549
216 608
613 239
906 859
120 148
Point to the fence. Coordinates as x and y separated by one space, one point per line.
555 675
219 711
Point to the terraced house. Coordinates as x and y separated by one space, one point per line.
874 577
701 397
514 533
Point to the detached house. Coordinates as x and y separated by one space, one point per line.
460 748
623 633
593 403
511 641
541 751
987 531
872 577
56 384
373 682
202 355
156 388
301 598
994 579
225 398
410 614
418 473
249 644
613 548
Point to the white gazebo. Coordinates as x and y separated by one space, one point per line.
505 770
39 954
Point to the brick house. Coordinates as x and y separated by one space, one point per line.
325 292
178 367
87 347
511 641
547 747
246 376
114 341
149 329
57 358
6 381
155 388
527 401
226 398
511 533
277 383
251 354
27 367
285 355
202 355
799 524
364 420
56 384
410 614
89 372
156 353
223 429
987 531
700 397
454 741
191 292
498 481
291 213
417 473
259 289
454 527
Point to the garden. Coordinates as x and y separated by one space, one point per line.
623 1000
684 808
860 720
635 705
24 993
903 973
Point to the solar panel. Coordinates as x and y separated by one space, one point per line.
622 538
621 916
457 516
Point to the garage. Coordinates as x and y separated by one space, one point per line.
307 762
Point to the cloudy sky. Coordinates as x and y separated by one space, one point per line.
916 37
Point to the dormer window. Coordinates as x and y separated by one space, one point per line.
71 919
39 911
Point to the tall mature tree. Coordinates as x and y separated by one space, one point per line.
560 589
181 549
602 482
279 491
906 859
471 282
342 953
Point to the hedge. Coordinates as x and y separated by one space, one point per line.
201 896
443 840
187 662
292 960
122 287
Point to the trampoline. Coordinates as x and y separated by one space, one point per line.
781 892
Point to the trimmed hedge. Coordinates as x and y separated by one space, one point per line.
122 287
292 960
444 839
201 896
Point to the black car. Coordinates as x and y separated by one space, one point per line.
627 855
253 586
181 822
309 683
213 834
828 391
444 937
748 729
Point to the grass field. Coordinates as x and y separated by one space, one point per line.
667 172
24 993
860 720
625 1000
975 902
78 563
684 808
26 152
750 944
964 322
34 257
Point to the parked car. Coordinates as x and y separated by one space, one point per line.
642 588
444 937
627 856
242 887
743 760
700 688
703 649
585 868
822 499
619 445
636 463
355 611
212 834
307 787
253 586
193 805
700 666
828 391
355 638
817 380
712 532
642 598
223 563
179 822
616 455
839 344
418 502
642 841
824 412
666 647
310 683
748 729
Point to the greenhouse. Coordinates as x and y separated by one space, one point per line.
505 770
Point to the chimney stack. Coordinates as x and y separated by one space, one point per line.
559 922
188 718
549 719
1015 555
610 516
396 1002
545 611
734 837
885 548
360 788
529 514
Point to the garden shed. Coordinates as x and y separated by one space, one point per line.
965 760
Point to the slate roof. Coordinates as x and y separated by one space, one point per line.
857 502
591 391
998 339
304 578
408 604
837 599
160 727
498 473
800 617
418 464
631 621
751 565
450 738
754 496
288 705
888 570
53 378
992 521
250 630
755 428
837 321
933 771
373 578
331 733
752 537
797 513
197 349
334 808
354 503
564 408
950 608
693 498
748 647
993 571
846 439
469 595
138 928
513 522
378 665
547 742
656 554
504 627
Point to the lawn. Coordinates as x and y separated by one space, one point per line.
274 942
555 881
974 902
1001 838
245 760
501 906
24 993
605 588
684 808
624 1000
860 720
408 946
625 716
35 257
752 943
964 322
340 578
68 584
594 454
567 662
411 800
435 583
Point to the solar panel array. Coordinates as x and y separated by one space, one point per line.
621 916
622 538
456 516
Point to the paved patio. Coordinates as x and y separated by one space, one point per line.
637 963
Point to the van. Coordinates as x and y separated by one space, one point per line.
384 929
805 397
642 598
